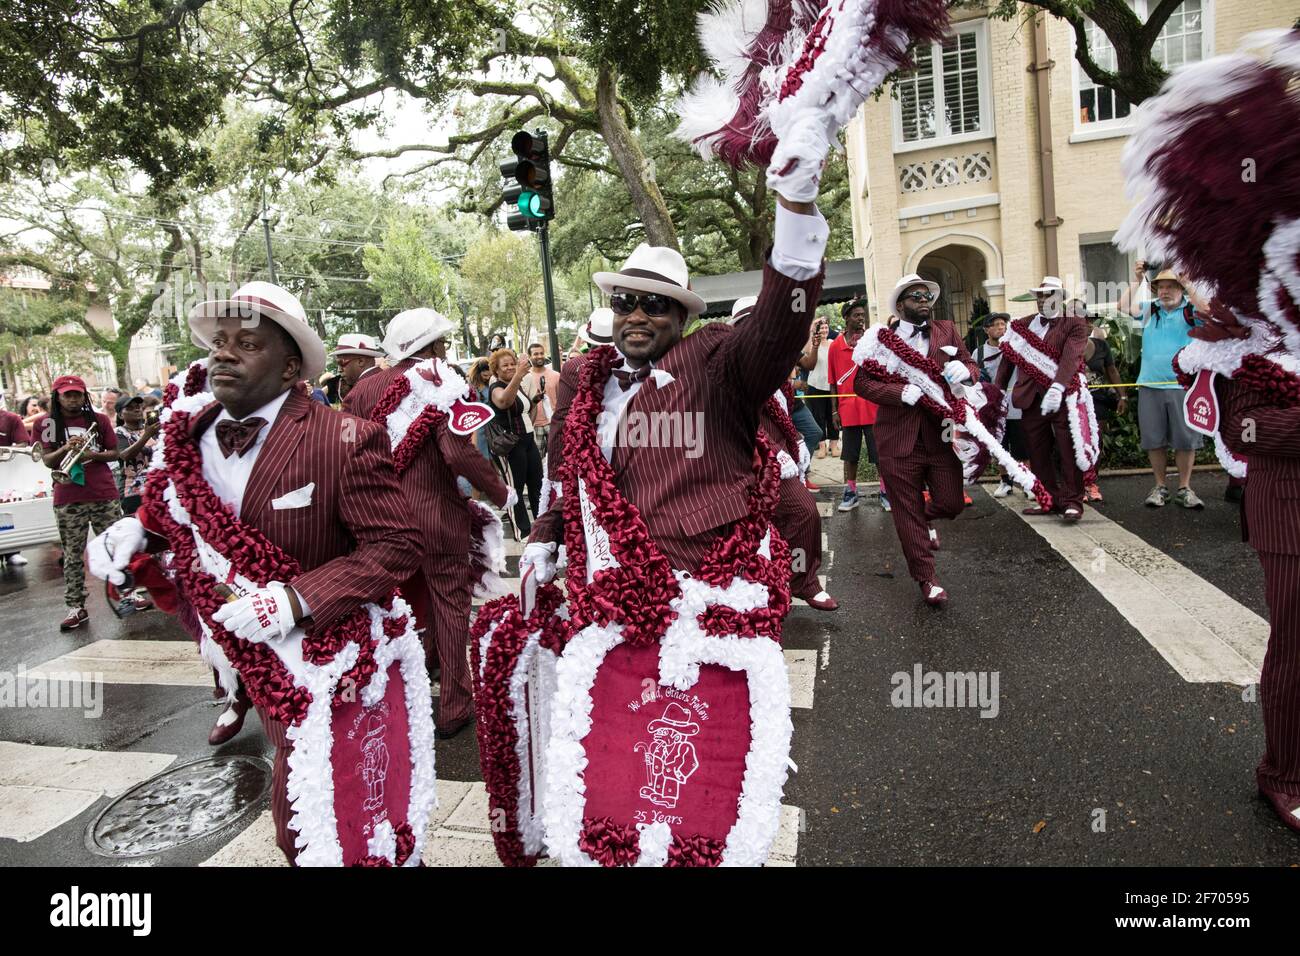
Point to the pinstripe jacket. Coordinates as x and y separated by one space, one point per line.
354 541
434 502
899 426
1268 437
690 492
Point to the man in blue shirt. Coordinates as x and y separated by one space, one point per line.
1165 322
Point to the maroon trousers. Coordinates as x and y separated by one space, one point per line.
1043 435
441 596
798 521
1279 683
908 479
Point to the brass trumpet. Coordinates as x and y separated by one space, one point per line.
9 452
63 474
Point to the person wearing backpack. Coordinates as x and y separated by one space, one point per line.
1166 322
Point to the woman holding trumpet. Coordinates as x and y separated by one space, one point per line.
77 443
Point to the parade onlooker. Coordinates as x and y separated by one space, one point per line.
135 442
512 420
108 401
32 408
1102 370
90 498
818 386
853 416
539 387
479 376
1165 322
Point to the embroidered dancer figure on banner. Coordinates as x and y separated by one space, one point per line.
669 756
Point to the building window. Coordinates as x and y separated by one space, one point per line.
945 99
1106 270
1183 39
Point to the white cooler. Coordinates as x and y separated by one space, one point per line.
26 505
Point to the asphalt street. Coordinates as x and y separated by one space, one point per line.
1100 752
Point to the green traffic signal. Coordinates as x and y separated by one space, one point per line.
533 204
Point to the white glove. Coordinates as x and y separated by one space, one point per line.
955 371
108 554
805 145
512 499
263 615
911 394
1052 400
540 556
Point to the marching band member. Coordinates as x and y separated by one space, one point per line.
1046 350
275 478
914 452
442 589
355 355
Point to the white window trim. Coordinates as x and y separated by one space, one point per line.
1124 125
982 61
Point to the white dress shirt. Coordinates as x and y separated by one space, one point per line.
228 477
799 243
615 400
911 334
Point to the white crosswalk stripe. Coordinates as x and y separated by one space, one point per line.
1204 634
42 788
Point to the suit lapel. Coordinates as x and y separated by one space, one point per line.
281 443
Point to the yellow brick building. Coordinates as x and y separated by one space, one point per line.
947 166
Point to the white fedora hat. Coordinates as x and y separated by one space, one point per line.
742 307
599 329
412 330
356 343
1049 285
266 299
653 269
906 283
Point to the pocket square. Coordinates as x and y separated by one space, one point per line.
298 498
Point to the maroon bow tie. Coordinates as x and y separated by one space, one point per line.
626 378
238 437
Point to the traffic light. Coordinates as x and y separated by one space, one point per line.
528 195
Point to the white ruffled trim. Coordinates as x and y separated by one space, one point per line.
523 679
653 839
215 658
566 790
422 394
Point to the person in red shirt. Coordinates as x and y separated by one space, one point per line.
12 432
854 416
90 498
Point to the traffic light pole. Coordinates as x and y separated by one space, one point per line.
544 235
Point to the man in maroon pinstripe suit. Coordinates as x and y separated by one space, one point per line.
318 484
1046 421
442 590
1268 437
914 451
709 385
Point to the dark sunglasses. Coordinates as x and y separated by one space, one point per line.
651 303
920 295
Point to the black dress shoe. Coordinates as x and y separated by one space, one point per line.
451 730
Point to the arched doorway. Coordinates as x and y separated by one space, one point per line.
960 272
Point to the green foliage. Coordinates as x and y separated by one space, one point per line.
646 38
405 271
87 82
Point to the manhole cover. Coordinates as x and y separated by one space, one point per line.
179 806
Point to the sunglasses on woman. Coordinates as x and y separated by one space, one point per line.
651 303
